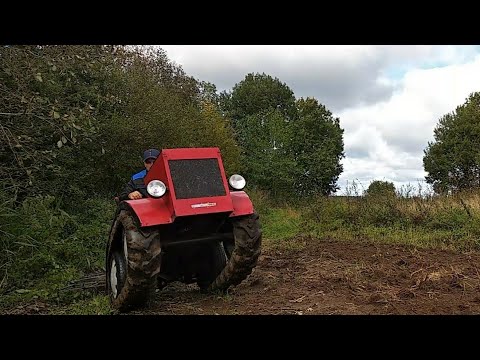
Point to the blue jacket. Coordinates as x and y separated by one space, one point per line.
136 183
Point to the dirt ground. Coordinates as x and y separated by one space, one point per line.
329 277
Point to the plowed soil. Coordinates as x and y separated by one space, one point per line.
329 277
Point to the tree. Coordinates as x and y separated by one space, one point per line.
215 131
452 161
270 164
261 109
52 100
208 93
258 93
300 139
318 148
76 119
380 188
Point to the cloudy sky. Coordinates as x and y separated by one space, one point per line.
388 98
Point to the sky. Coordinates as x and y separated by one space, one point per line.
388 98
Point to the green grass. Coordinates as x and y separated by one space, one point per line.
423 238
43 248
440 222
281 223
435 222
280 226
97 305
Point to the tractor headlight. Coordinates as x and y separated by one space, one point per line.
156 188
237 182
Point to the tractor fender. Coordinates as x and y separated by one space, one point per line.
150 211
242 205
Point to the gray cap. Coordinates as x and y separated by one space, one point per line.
150 154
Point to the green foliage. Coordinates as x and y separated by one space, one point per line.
289 147
214 130
281 223
317 144
262 202
208 94
97 305
44 247
381 188
451 218
270 164
258 93
435 222
259 108
76 119
52 98
453 159
160 109
450 222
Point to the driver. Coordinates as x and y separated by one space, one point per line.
135 188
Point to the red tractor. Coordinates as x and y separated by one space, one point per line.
195 227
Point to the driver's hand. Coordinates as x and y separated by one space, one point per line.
135 195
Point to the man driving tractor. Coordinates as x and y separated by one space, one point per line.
136 189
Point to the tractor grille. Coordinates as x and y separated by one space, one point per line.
196 178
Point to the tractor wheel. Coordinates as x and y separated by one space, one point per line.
248 239
213 264
133 262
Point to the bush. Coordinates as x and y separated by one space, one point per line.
381 189
44 242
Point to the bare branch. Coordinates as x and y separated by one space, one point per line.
14 114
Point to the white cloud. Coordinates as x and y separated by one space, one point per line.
388 98
396 132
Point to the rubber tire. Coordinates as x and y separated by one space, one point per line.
214 262
121 268
247 233
229 246
142 267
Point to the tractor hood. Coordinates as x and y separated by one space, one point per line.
195 179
